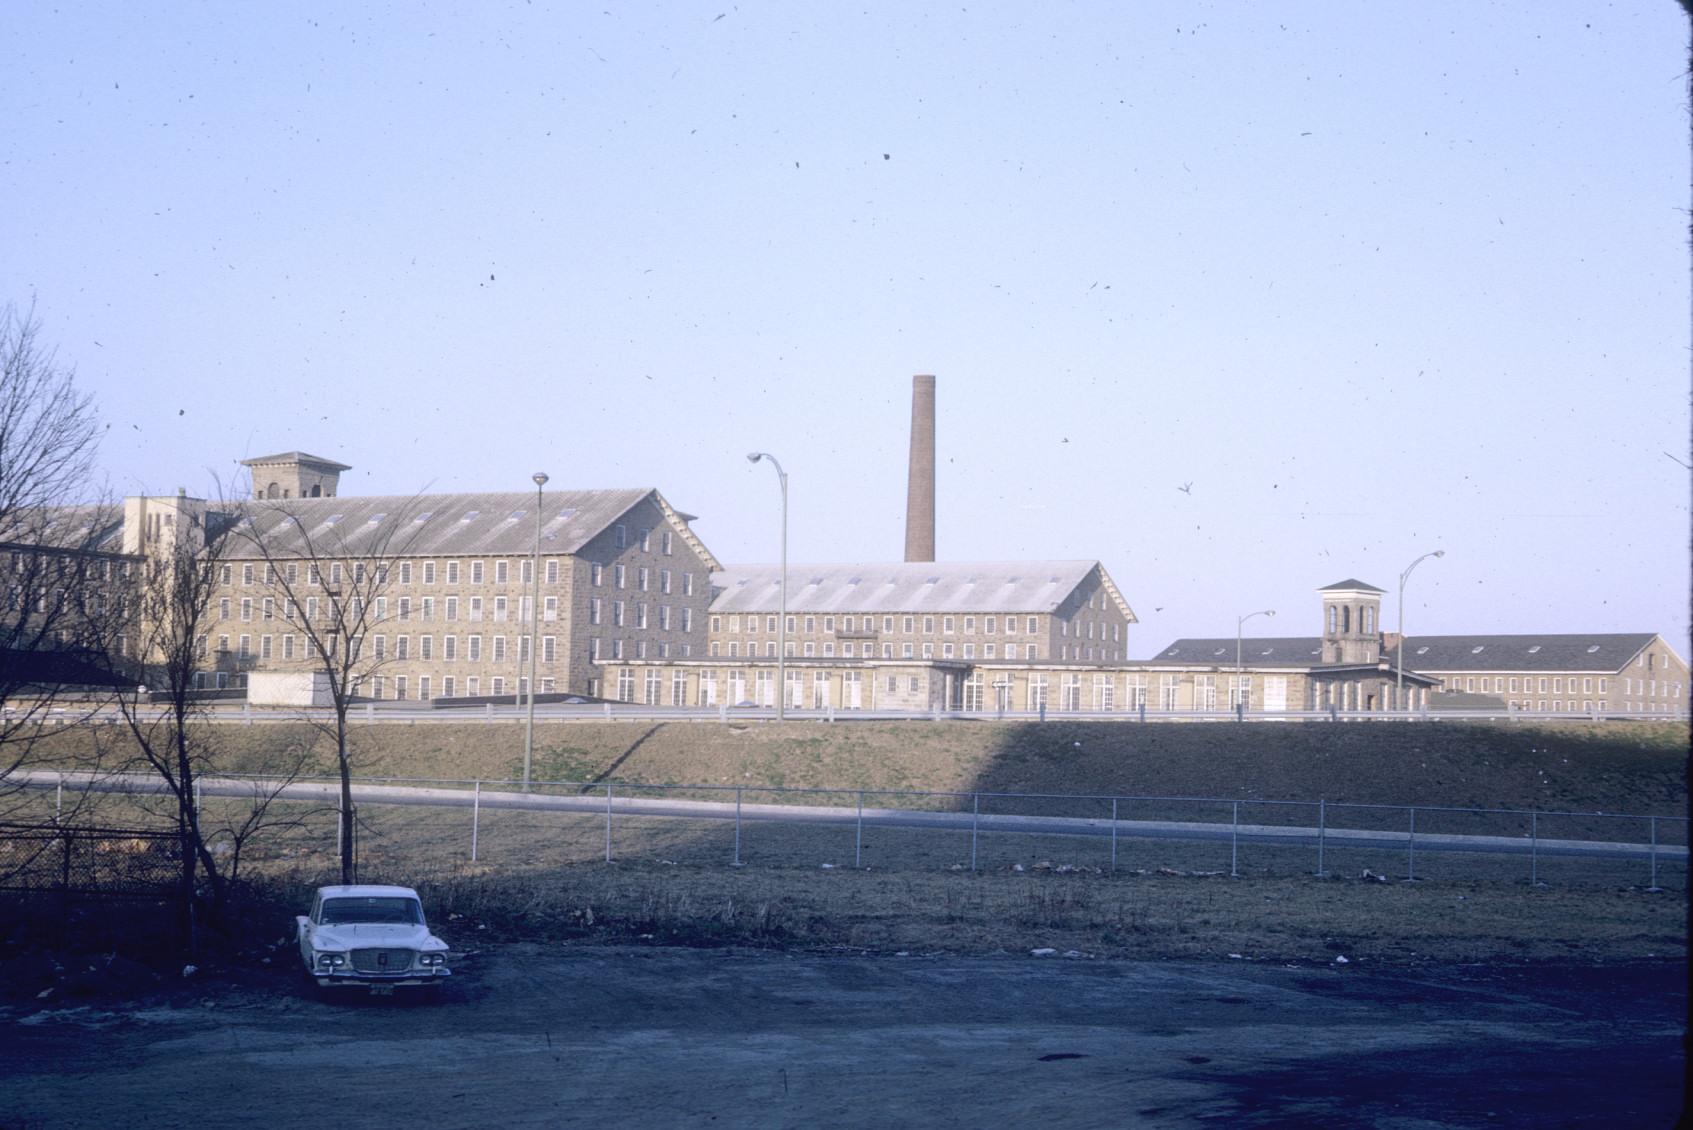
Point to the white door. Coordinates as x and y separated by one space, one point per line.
1275 692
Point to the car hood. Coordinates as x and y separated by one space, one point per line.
354 935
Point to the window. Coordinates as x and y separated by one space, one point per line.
619 576
687 584
402 647
246 651
452 608
246 574
664 617
1011 627
426 647
246 608
664 581
499 649
223 608
640 616
379 647
593 610
405 607
405 572
335 573
476 572
223 572
500 607
946 625
476 608
427 610
667 550
549 649
452 572
497 685
502 572
617 613
527 572
597 574
264 647
288 647
447 686
910 624
988 624
429 572
810 624
687 619
641 578
473 648
620 534
646 541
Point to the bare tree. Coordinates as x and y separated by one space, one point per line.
331 577
163 640
61 568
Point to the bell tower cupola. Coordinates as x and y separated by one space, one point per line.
1351 622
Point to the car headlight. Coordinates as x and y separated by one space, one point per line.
330 960
431 959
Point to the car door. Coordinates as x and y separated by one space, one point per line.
305 931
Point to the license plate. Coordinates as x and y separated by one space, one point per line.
382 990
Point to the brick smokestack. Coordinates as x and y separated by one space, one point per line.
920 488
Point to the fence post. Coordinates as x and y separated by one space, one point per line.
1533 849
1113 833
475 818
1234 843
1411 851
59 798
608 821
1654 887
1322 834
975 818
858 846
737 825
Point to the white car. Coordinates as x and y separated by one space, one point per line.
370 937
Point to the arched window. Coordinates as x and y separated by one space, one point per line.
1369 619
1346 618
274 490
1334 619
317 491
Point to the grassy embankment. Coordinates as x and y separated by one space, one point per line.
673 883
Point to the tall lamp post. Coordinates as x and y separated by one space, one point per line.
782 591
1240 691
1399 662
540 479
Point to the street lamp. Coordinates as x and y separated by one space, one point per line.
540 480
1399 664
1239 690
782 592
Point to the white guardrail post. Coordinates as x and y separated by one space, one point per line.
475 819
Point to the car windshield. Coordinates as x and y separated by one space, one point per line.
388 909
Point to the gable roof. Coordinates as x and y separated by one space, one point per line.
909 586
445 525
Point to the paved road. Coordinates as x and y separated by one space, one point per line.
536 1036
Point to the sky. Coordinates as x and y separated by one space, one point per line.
1239 299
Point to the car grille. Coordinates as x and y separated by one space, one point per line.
383 960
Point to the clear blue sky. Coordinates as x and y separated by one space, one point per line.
1374 278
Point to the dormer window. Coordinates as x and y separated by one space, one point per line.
1476 650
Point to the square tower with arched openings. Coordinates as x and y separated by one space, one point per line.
1351 622
294 474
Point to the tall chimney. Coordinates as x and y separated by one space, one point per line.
920 488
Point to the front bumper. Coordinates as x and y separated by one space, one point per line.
353 979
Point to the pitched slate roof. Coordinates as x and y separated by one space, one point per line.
916 586
1561 652
1259 651
1548 652
1350 584
445 525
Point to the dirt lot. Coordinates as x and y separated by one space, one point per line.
533 1035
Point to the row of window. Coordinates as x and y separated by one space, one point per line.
849 650
644 578
289 646
405 571
641 649
1555 684
637 615
498 608
867 624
